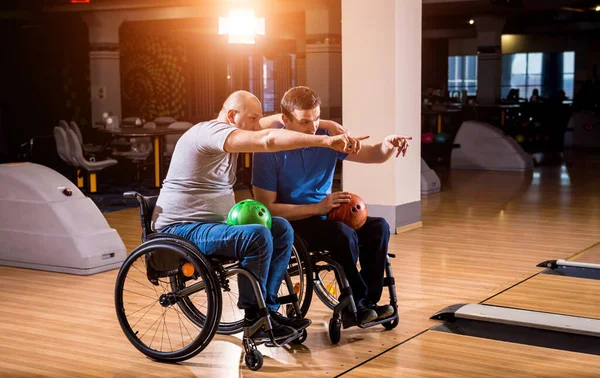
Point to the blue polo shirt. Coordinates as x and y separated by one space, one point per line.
300 177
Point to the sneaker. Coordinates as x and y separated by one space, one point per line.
364 314
382 311
280 331
297 323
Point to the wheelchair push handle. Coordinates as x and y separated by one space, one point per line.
131 195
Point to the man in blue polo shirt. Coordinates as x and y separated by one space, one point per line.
296 185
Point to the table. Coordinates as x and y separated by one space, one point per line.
503 108
440 115
155 134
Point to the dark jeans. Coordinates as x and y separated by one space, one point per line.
264 252
369 245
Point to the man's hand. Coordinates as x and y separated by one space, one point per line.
332 201
398 142
346 143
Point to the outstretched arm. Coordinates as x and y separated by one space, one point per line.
272 140
381 152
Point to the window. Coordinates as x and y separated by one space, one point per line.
268 86
523 72
547 72
568 73
462 74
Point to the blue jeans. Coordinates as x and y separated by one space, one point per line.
266 253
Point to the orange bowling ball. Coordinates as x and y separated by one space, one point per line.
353 213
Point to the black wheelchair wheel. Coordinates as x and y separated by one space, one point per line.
254 360
300 272
335 330
148 308
392 323
232 318
302 337
326 284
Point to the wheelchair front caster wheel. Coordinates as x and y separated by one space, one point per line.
254 360
302 337
392 323
335 326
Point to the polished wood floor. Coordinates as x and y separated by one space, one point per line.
439 354
591 255
554 294
484 233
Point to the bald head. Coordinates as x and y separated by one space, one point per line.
238 101
243 110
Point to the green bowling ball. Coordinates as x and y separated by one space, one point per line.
249 212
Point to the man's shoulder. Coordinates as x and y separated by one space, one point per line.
213 124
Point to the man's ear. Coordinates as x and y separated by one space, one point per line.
285 119
231 116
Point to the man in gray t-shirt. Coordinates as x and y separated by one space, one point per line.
197 195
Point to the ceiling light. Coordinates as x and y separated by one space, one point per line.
241 25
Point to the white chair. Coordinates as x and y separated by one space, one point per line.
141 148
87 148
92 167
164 121
64 150
62 146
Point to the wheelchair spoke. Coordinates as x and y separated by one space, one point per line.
140 294
154 301
151 326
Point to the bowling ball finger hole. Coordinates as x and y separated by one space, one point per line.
260 213
354 209
358 207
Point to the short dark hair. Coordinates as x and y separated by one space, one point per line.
299 98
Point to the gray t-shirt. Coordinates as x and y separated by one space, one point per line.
199 184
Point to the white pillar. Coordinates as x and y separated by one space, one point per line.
489 62
324 55
381 77
105 76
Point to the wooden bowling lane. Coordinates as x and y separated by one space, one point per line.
590 255
553 294
440 354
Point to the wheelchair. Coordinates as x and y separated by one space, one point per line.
169 297
316 272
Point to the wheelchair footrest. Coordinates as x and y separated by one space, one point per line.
276 343
379 321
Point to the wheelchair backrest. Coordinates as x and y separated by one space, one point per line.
146 205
